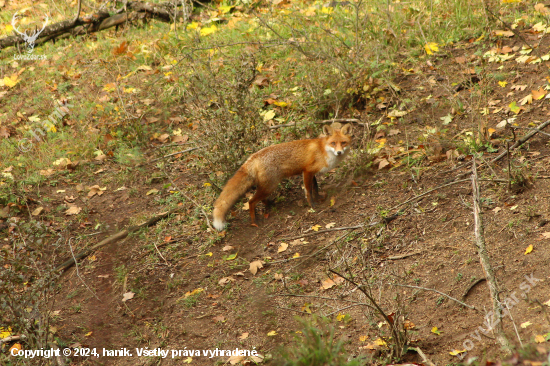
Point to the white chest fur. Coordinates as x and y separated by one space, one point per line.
333 159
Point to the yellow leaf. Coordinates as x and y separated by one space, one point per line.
328 10
192 25
188 360
5 332
456 352
272 333
540 338
306 308
502 83
316 227
209 254
282 247
332 201
269 115
363 338
9 28
525 325
529 249
280 104
205 31
514 108
431 47
436 331
88 334
206 184
340 317
380 342
224 9
10 82
296 255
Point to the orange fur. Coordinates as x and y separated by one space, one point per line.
266 168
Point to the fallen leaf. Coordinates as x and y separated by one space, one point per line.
227 248
272 333
330 225
38 211
540 338
315 227
243 336
525 325
282 247
73 210
225 280
254 266
128 296
436 331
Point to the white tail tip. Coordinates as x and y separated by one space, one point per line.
219 224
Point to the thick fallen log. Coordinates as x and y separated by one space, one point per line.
100 21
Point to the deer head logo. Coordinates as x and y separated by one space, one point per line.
30 39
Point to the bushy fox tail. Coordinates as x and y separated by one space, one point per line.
235 188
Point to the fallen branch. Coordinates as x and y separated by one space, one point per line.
169 155
443 186
326 231
517 144
100 21
114 238
341 120
486 263
439 292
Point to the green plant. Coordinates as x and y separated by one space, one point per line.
316 345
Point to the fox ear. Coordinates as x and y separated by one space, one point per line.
347 130
327 130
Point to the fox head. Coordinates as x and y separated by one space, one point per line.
338 138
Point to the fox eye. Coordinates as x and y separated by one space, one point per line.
333 143
344 143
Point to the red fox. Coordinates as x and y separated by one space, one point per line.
266 168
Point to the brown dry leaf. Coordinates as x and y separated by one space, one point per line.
282 247
69 199
383 163
407 324
4 132
528 99
180 139
227 248
254 266
518 87
121 49
278 276
235 359
503 33
73 210
330 225
128 296
93 190
47 172
460 60
225 280
38 211
80 187
394 132
542 9
100 157
219 318
243 336
506 49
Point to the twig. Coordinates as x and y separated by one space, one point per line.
471 287
78 272
439 292
514 324
485 262
12 338
403 255
509 168
279 126
326 231
517 144
344 308
424 358
320 250
118 236
176 153
348 120
442 186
